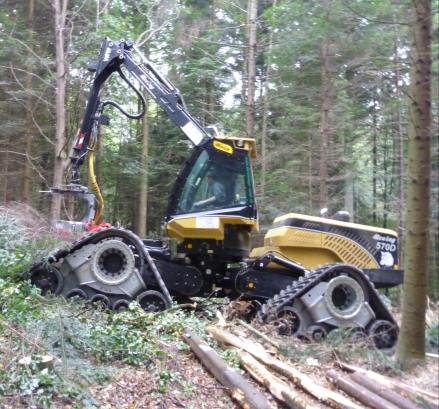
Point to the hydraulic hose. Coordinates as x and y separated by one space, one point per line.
95 187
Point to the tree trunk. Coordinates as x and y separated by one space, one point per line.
399 159
240 390
25 192
358 392
391 383
142 208
411 345
325 121
251 66
60 9
265 112
302 380
279 389
388 394
374 162
385 179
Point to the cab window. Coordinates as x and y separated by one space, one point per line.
216 181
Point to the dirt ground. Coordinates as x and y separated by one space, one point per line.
136 388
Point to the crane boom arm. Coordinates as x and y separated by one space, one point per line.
112 57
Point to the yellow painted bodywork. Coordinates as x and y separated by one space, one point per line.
247 144
312 248
200 227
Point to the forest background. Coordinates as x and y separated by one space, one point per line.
321 85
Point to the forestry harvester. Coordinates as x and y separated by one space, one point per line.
312 275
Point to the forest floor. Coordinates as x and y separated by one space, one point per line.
137 360
70 354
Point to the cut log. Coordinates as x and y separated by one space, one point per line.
358 392
259 334
241 391
280 389
305 382
381 390
399 386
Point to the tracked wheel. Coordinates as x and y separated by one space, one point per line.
344 297
316 333
383 333
288 321
48 278
121 305
77 293
152 301
112 262
101 299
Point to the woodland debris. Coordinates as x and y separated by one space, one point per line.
240 390
386 393
321 393
359 392
237 309
402 387
259 334
280 389
43 361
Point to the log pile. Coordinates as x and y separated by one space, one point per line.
353 387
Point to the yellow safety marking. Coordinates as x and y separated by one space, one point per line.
223 147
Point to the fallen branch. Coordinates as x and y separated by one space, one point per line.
186 306
358 392
240 390
321 393
259 334
280 389
381 390
22 336
385 381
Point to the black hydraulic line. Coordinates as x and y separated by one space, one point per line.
262 262
157 275
138 93
112 57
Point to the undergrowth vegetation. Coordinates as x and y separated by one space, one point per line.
84 344
52 349
24 238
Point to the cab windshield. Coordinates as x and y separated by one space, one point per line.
216 181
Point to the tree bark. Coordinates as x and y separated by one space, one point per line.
325 120
240 390
25 192
358 392
252 11
390 383
280 389
374 162
411 345
384 392
265 112
399 159
302 380
142 208
60 10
